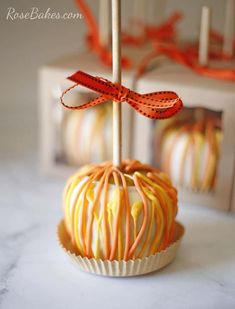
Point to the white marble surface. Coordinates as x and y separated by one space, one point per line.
35 272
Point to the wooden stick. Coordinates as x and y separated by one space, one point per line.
229 28
204 35
117 109
104 24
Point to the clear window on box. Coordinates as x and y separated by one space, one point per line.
81 136
187 147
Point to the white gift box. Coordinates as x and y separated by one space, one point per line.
195 91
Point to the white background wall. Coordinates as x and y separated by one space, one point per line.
26 45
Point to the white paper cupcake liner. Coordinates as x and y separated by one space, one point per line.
121 268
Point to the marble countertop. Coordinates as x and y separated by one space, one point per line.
36 273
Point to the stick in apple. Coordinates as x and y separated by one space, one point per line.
116 55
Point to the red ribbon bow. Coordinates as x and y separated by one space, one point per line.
155 105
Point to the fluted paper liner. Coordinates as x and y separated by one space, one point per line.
121 268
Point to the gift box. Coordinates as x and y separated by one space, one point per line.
196 91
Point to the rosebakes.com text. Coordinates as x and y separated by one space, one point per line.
35 14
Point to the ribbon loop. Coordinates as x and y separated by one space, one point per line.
156 105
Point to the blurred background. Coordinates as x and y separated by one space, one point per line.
26 45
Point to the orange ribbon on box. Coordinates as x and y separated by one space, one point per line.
164 32
187 59
217 37
157 34
155 105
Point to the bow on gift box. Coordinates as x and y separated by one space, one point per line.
165 32
161 33
155 105
187 59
